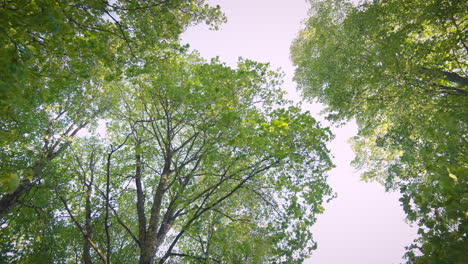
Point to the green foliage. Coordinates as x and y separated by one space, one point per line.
234 147
60 60
9 182
197 163
400 69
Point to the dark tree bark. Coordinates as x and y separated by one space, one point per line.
88 221
11 200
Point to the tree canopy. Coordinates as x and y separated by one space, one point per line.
59 57
119 145
399 68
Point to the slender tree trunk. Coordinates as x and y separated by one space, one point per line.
106 218
152 239
141 211
88 228
87 259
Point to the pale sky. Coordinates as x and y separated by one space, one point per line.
364 225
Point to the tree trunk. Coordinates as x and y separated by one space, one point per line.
87 259
146 256
11 200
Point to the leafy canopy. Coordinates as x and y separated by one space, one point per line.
399 68
59 60
199 162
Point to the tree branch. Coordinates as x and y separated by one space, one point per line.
83 232
201 211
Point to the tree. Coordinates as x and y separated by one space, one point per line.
200 163
400 69
60 58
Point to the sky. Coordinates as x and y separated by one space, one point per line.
363 225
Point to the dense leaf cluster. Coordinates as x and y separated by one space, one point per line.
399 68
119 145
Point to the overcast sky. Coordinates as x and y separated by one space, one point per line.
364 225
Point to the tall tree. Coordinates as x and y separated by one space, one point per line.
59 58
400 69
200 163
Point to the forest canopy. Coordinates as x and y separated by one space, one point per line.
399 68
118 144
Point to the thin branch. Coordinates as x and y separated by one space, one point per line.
201 211
83 232
119 220
106 217
121 31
